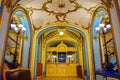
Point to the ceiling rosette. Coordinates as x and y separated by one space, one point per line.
60 7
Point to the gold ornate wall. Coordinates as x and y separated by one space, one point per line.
56 37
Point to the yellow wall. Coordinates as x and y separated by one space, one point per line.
81 61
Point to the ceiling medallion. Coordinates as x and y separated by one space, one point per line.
60 7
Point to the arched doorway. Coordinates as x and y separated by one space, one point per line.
87 50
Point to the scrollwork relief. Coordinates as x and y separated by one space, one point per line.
59 11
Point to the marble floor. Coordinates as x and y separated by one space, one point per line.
58 78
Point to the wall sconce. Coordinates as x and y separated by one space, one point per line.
18 28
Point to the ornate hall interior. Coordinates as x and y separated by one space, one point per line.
59 39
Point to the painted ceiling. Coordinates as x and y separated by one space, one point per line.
44 12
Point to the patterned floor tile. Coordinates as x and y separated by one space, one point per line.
58 78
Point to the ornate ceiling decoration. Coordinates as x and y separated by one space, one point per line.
60 7
77 12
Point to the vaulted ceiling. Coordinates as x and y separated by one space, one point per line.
77 12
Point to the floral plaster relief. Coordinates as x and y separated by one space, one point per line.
70 11
60 6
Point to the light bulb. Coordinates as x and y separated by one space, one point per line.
105 30
20 26
97 29
23 29
101 26
16 29
61 33
108 26
13 26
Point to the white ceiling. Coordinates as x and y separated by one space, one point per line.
50 11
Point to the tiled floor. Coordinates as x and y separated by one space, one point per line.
58 78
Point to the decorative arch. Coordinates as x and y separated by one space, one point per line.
97 18
55 33
102 16
71 27
19 15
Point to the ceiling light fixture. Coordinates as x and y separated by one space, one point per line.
61 33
